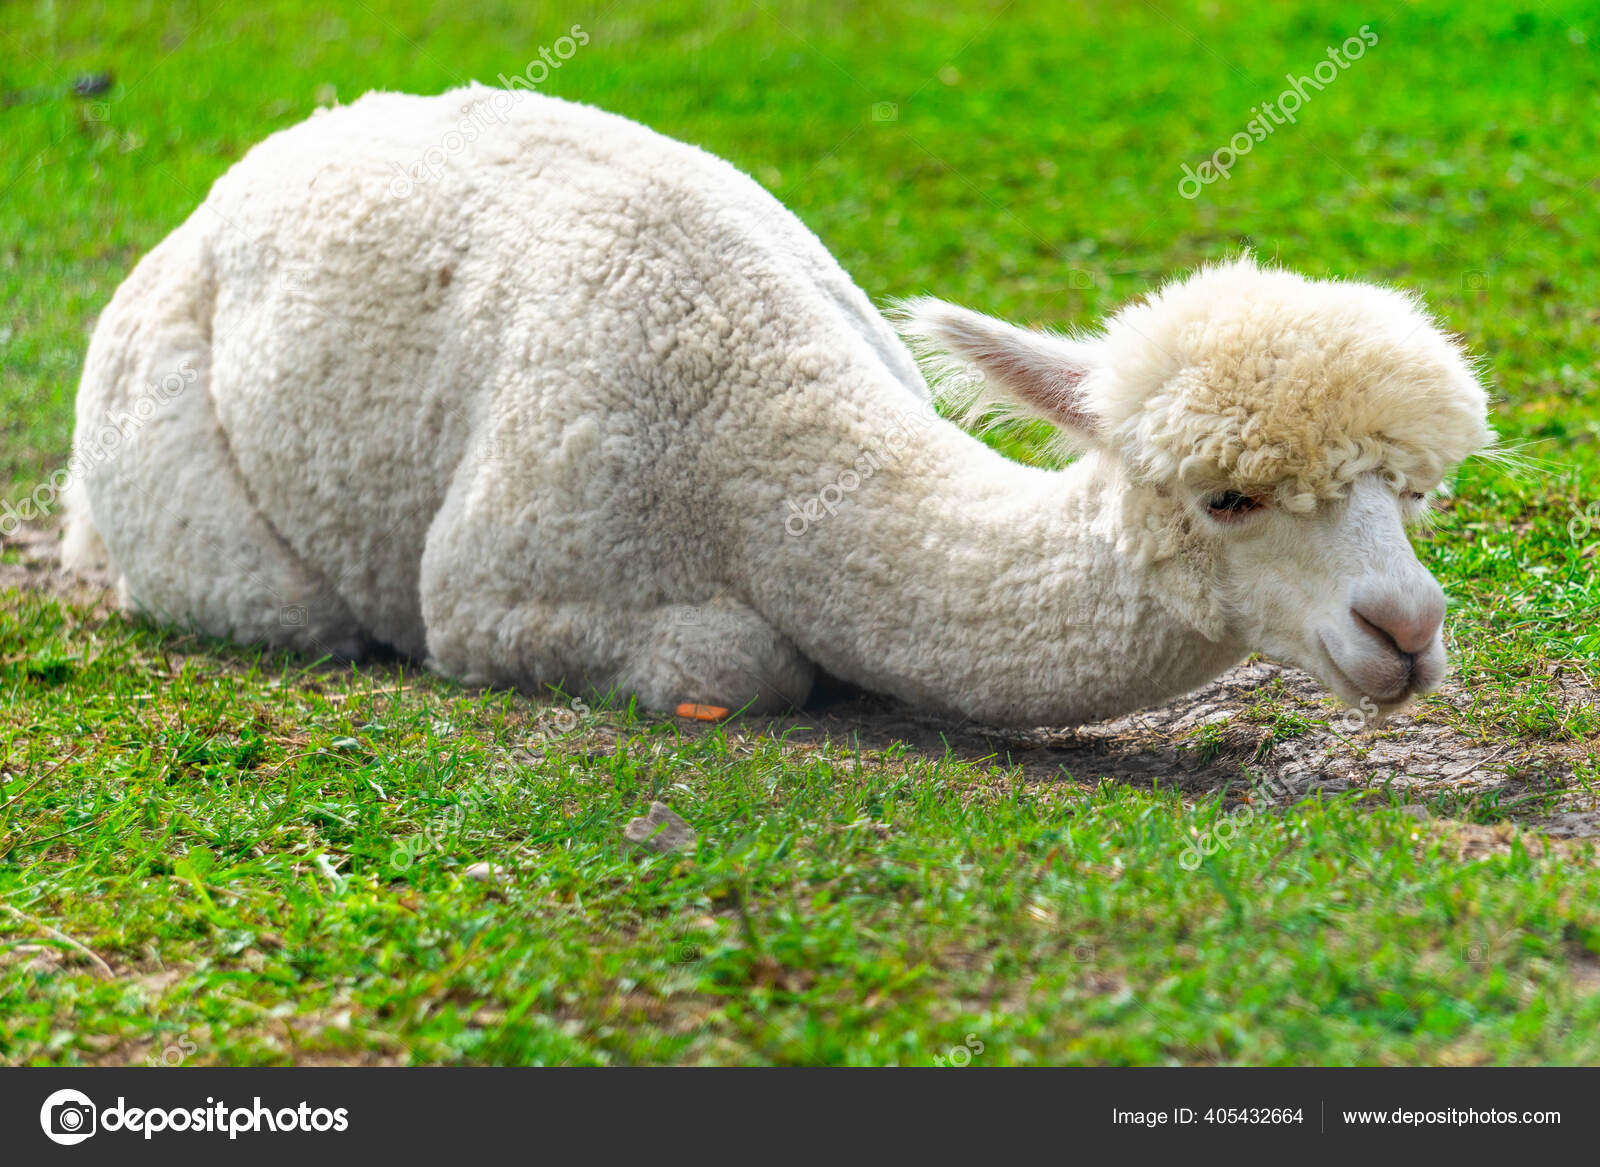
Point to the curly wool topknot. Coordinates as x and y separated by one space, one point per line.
1264 380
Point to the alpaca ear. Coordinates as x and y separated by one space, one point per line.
1037 373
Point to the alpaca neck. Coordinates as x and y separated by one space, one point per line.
956 579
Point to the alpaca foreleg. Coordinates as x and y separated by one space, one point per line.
718 652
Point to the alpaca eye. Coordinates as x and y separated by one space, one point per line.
1415 495
1231 505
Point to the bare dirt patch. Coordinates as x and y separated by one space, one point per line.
1215 740
32 561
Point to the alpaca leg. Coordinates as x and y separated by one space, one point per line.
516 593
719 652
156 481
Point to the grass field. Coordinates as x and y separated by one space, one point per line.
212 855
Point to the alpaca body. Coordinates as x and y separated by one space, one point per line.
587 406
540 419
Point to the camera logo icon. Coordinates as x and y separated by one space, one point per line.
68 1117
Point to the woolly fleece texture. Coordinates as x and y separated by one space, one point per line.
590 407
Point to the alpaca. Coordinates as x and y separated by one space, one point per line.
582 405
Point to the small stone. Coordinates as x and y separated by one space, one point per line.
91 84
345 743
1417 811
662 830
485 873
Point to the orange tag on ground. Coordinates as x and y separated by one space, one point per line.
702 712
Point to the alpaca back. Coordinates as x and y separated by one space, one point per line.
562 319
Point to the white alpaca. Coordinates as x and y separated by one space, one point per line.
588 406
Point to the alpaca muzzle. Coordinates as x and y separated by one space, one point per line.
1390 645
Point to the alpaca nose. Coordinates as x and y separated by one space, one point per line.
1408 623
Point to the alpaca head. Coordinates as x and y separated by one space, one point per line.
1279 433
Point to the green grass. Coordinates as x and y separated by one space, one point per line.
273 858
266 859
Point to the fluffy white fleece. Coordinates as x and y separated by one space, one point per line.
590 407
1268 381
